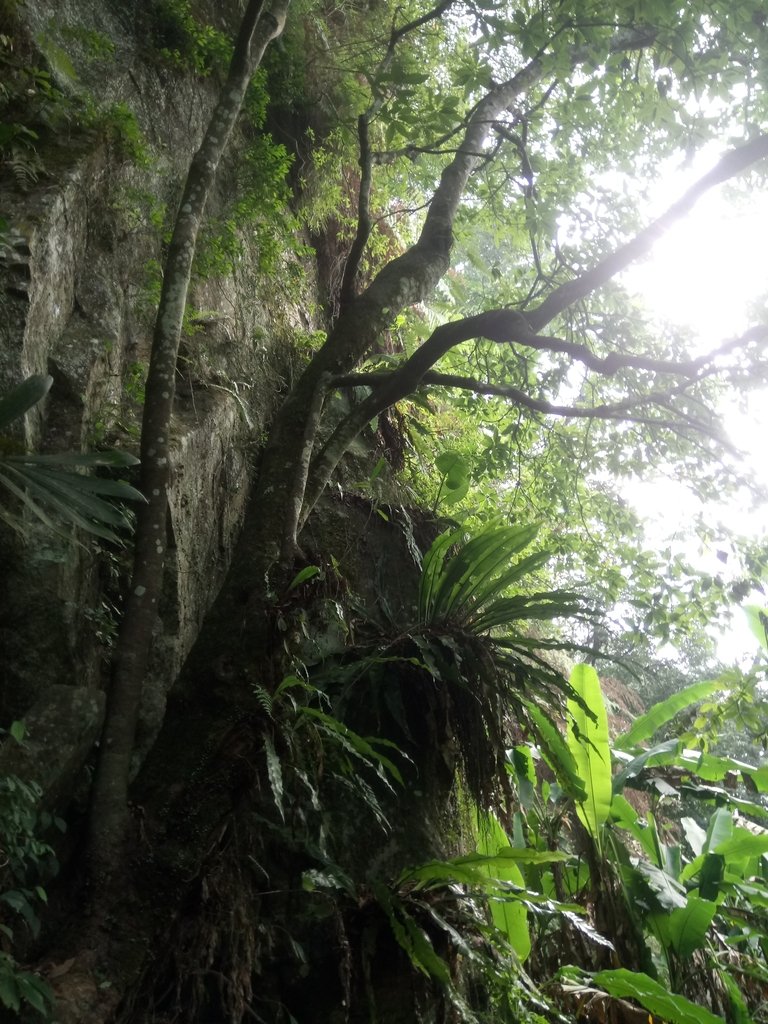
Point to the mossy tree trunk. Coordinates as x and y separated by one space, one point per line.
109 798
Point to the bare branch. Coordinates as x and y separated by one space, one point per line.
364 224
365 160
507 326
734 162
624 411
411 26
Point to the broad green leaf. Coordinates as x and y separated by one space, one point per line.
454 468
556 752
624 984
694 834
719 830
9 991
307 573
758 777
634 767
511 918
711 876
739 1009
725 797
21 398
624 816
685 929
660 714
667 890
589 744
757 618
741 844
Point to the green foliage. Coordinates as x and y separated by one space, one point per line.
468 660
654 997
97 46
644 727
673 905
183 41
28 861
258 215
589 744
29 105
48 486
119 126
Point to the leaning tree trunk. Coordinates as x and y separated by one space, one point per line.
109 798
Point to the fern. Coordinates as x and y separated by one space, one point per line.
25 164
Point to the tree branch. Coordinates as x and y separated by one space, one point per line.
733 162
500 326
365 160
613 411
413 275
364 225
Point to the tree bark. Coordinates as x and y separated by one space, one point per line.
109 797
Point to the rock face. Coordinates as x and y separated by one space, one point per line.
81 248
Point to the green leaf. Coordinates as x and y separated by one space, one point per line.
511 918
358 744
757 618
624 984
719 830
9 991
556 752
694 834
18 731
685 929
411 938
95 484
660 714
307 573
21 398
624 816
741 844
61 502
667 890
637 764
589 744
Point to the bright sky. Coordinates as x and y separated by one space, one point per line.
709 273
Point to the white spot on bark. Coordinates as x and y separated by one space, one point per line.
166 394
161 463
186 208
151 452
156 492
140 591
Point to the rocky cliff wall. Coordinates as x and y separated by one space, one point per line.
119 97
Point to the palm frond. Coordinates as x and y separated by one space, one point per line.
54 494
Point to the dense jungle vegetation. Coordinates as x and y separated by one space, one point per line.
430 757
